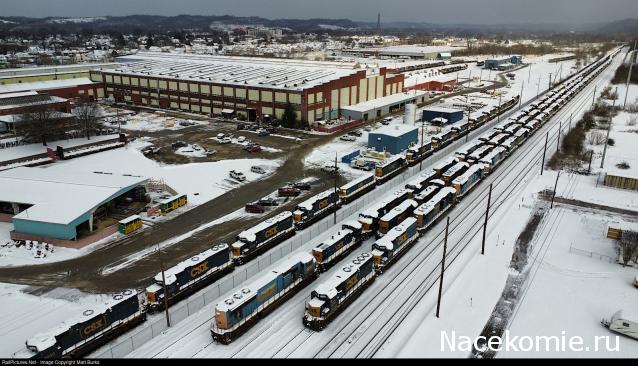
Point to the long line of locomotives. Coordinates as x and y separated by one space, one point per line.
396 222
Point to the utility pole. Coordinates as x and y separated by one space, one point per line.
168 319
438 302
498 117
335 189
481 75
520 98
538 87
560 131
469 111
550 82
602 162
422 142
555 187
544 152
593 97
631 66
487 212
591 155
529 73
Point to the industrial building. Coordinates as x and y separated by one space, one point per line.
393 139
504 63
379 107
44 73
404 51
442 115
81 88
255 88
15 106
61 209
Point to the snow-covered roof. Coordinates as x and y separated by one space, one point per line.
394 233
456 167
171 273
373 211
426 191
386 101
389 160
307 204
357 181
421 178
46 339
60 198
254 72
463 177
429 205
445 162
490 156
328 288
393 130
44 85
442 110
129 219
241 295
481 150
249 235
399 209
333 239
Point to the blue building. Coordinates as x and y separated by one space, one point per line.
504 63
393 139
44 204
442 115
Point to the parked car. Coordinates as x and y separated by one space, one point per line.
253 148
225 140
355 133
386 121
151 150
237 175
220 136
263 132
347 138
257 169
196 147
302 185
288 192
241 139
367 128
329 168
268 202
241 126
255 208
177 144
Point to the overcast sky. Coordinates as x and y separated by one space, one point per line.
440 11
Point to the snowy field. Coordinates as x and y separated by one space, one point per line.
571 292
150 122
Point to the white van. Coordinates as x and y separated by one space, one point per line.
624 323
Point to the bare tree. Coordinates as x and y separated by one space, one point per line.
86 113
42 124
628 244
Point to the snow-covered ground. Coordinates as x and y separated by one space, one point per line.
571 292
150 122
200 181
24 315
34 149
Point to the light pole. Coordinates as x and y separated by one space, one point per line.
631 66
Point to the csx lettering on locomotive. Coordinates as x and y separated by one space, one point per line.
199 269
